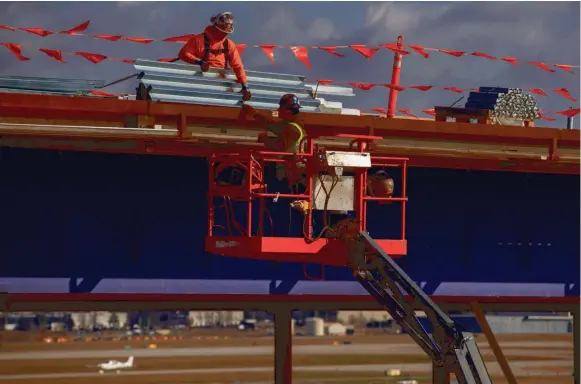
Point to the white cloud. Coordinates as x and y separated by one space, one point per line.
122 4
283 24
539 31
394 19
322 29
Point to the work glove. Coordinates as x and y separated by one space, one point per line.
204 66
246 95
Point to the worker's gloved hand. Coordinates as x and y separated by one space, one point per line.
204 66
246 95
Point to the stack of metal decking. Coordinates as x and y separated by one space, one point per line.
48 86
186 83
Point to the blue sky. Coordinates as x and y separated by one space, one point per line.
532 31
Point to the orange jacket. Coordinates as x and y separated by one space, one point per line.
194 49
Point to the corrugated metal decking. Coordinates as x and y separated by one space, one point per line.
42 85
186 83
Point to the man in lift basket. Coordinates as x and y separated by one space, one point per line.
289 136
214 49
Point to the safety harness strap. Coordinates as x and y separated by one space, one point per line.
297 145
207 50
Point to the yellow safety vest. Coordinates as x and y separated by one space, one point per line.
296 146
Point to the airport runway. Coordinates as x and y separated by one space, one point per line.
514 349
493 369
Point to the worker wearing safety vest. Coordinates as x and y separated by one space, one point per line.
214 49
289 135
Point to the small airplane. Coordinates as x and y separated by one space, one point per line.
114 365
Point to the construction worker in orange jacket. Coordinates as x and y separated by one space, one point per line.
289 135
214 49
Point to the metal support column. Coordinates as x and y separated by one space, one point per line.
283 358
576 346
502 361
440 375
4 297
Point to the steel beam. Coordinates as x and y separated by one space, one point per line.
283 359
113 109
440 375
502 361
47 302
577 345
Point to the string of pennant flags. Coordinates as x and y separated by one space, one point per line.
564 92
543 115
96 58
300 52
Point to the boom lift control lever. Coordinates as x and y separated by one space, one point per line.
451 349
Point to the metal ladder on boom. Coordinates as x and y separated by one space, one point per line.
451 349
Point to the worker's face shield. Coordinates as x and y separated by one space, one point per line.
225 22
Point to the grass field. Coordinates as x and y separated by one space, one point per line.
153 363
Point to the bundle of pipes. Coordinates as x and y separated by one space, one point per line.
511 103
516 105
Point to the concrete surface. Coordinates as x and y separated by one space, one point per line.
513 349
493 368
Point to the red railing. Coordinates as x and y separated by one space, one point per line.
254 187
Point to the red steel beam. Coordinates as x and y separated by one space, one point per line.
160 146
40 106
255 298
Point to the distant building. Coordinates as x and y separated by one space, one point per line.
99 320
336 329
31 321
158 319
315 326
362 317
300 316
215 318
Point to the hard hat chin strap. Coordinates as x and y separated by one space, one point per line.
221 30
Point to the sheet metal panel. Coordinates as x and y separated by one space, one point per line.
222 99
102 223
180 68
47 85
218 85
186 83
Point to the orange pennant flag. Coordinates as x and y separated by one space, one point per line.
268 51
78 29
366 52
302 54
332 51
53 54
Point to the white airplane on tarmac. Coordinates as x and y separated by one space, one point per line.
114 365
